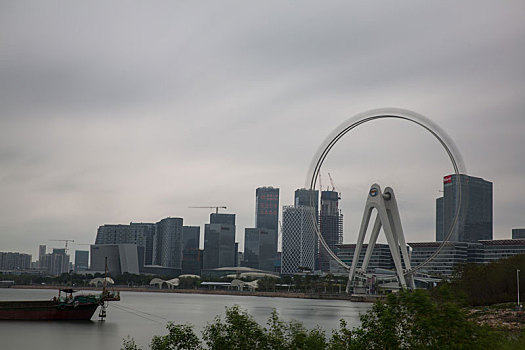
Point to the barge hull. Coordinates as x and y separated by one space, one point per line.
45 310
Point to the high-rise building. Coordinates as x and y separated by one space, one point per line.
259 249
220 218
59 261
190 250
518 233
236 255
219 246
41 253
251 248
146 230
120 258
330 226
299 239
140 234
475 214
54 263
219 241
240 258
267 209
307 198
439 219
81 260
15 261
167 243
267 218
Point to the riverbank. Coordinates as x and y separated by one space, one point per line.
503 316
300 295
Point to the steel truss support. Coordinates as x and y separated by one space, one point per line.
387 217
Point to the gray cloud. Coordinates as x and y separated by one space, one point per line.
132 112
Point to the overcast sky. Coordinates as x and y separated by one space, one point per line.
112 112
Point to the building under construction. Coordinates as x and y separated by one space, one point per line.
330 225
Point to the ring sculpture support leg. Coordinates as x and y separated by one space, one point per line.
399 236
371 245
388 218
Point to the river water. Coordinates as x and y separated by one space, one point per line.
142 315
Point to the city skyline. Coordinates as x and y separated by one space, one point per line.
184 105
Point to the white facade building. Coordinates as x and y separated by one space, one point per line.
299 239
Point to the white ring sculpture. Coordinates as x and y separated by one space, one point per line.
388 113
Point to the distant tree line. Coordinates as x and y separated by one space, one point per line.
78 280
312 284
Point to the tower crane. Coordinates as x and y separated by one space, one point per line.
216 207
63 240
331 181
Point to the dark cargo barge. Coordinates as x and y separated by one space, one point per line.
67 307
